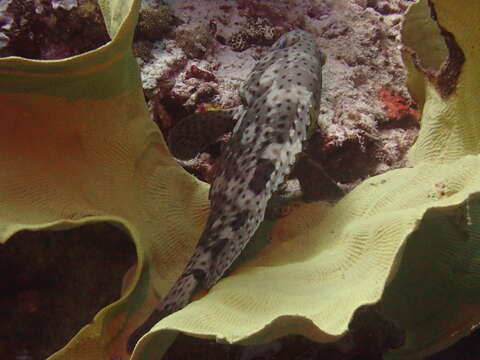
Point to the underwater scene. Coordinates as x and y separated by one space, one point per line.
239 179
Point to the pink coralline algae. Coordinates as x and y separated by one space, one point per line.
398 108
195 72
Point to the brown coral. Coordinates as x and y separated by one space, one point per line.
39 31
194 42
240 41
258 32
153 24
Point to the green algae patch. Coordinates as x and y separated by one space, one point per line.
77 146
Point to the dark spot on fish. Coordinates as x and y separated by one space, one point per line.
263 171
240 220
199 275
217 246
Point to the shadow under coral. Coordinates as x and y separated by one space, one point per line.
54 282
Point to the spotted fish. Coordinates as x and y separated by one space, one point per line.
280 105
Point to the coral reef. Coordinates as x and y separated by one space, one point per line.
154 23
45 29
257 32
368 119
194 42
99 157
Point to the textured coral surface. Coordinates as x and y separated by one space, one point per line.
197 65
49 29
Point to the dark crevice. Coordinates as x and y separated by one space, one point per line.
53 283
446 78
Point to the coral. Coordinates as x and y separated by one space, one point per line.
432 187
88 152
398 109
258 32
143 49
153 23
386 7
195 72
6 21
194 42
52 30
276 12
262 32
240 41
64 4
345 159
363 57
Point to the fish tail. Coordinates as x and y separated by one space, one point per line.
154 318
180 294
177 298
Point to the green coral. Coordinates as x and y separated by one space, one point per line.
86 150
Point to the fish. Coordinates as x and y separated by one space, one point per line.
279 111
196 132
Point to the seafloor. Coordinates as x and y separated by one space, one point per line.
368 119
194 55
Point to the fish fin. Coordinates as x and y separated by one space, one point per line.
180 293
196 132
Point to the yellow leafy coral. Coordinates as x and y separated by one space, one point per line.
77 146
324 263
